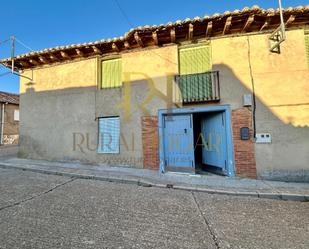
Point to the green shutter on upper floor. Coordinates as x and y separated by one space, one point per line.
195 60
194 82
111 75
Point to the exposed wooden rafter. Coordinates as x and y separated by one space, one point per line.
24 64
96 50
138 40
53 57
155 38
227 26
290 20
209 29
43 59
79 52
34 62
64 55
115 47
126 44
267 22
190 33
248 23
173 35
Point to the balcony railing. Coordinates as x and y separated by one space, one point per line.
202 87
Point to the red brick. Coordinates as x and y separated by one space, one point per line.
150 142
243 149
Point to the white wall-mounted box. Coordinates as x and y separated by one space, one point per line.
247 99
263 138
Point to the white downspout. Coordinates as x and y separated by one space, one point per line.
2 123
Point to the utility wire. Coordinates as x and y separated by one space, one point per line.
4 41
123 13
23 44
128 21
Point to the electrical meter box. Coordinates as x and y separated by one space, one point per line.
263 138
247 100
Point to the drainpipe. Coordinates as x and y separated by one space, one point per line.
2 123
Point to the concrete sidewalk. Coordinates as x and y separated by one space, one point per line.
210 183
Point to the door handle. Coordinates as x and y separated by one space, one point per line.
185 130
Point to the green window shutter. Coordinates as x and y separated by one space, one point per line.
194 84
307 47
111 73
195 60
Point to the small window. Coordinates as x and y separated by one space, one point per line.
109 135
111 73
16 115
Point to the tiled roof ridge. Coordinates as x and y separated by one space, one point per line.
246 10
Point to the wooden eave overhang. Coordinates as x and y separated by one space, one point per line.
248 20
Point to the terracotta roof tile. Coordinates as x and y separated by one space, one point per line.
254 10
9 98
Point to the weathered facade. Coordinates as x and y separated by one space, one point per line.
197 71
9 116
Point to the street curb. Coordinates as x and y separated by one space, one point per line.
141 182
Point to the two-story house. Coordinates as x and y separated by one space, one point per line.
202 94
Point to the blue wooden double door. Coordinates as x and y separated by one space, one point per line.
181 139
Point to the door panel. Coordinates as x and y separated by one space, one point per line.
178 142
214 134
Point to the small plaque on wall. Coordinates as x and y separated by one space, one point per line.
244 133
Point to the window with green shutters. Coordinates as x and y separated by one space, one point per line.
307 47
111 73
194 60
194 81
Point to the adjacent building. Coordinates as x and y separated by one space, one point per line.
198 95
9 116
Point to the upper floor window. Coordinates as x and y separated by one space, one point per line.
194 60
111 73
196 81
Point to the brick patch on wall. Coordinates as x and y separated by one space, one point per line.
150 142
243 149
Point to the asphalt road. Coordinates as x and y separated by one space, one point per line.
46 211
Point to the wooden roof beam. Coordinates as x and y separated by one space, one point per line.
34 62
138 40
53 57
227 26
64 55
290 20
79 52
96 50
126 44
173 35
267 22
155 38
250 20
209 29
115 47
43 60
190 33
24 64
